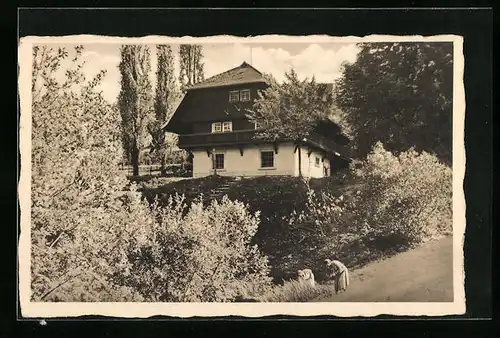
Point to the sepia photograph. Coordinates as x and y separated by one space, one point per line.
254 176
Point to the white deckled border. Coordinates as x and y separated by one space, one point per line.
186 310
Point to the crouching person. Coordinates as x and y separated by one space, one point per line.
306 276
339 273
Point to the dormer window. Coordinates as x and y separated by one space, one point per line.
245 95
234 96
239 95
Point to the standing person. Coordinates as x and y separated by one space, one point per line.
339 272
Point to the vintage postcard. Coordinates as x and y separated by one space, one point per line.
241 176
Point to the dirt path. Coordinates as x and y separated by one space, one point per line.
424 274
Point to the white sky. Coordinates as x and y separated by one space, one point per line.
321 60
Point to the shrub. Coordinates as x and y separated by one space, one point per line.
408 196
275 198
199 253
404 200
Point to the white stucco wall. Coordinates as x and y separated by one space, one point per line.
308 164
286 162
247 165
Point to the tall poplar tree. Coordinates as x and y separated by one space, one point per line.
135 100
191 65
166 99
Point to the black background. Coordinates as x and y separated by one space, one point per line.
476 25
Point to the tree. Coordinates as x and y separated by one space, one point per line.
166 99
83 219
135 99
290 110
191 65
400 94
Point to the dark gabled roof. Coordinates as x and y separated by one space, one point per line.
242 74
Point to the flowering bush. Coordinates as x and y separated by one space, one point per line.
408 196
83 218
199 253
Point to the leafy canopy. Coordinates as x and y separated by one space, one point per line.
135 100
167 96
401 95
291 109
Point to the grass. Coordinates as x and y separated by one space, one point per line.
189 187
295 291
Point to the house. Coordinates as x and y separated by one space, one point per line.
212 126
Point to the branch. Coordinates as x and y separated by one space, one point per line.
59 285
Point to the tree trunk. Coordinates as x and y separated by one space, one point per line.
189 58
163 161
299 149
214 164
135 159
193 70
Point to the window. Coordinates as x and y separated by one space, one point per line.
216 127
234 96
317 161
219 161
256 125
227 126
245 95
267 159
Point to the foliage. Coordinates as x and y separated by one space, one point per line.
405 199
191 65
199 253
401 95
290 110
91 232
83 220
413 192
295 291
379 207
274 197
167 97
190 189
135 101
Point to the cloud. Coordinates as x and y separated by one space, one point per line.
323 61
